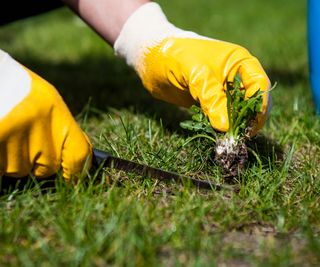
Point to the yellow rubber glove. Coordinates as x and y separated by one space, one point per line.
38 134
182 67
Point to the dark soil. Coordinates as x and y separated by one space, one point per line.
231 155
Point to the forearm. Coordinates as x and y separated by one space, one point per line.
106 17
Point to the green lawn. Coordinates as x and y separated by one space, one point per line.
120 219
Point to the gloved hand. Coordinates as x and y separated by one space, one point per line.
182 67
38 134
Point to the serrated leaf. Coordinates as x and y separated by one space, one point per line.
209 129
186 125
198 117
195 109
192 126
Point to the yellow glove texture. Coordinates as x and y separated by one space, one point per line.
182 67
38 134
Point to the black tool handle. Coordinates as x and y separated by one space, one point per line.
99 157
103 159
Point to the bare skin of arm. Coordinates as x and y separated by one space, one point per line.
106 17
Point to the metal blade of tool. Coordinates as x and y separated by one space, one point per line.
105 159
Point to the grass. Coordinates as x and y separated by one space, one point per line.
120 219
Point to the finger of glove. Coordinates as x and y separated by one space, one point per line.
47 121
205 88
254 78
28 147
76 153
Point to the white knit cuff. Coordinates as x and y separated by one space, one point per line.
145 28
15 83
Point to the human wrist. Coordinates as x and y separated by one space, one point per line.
106 17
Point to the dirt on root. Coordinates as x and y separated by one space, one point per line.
231 155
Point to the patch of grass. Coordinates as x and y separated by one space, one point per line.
120 219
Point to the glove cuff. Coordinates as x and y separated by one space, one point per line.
145 28
15 83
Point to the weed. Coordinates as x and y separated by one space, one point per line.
231 151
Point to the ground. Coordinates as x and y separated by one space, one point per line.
121 219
